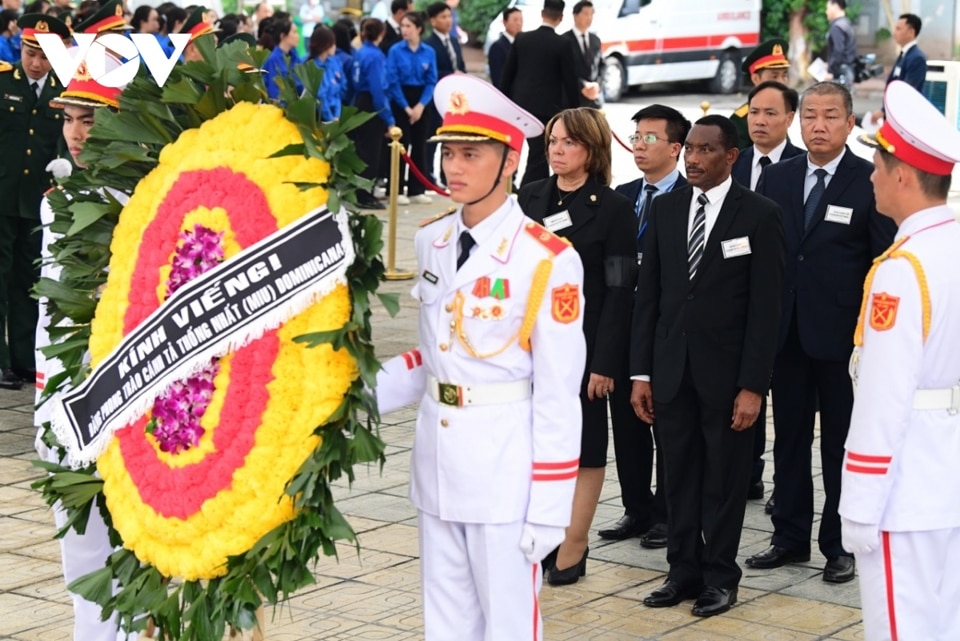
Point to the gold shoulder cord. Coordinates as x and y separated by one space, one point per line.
895 252
538 288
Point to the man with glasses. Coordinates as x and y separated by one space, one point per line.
659 136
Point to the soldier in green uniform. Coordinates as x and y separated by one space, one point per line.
767 62
30 130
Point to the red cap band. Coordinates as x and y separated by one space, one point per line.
895 144
108 23
480 124
767 61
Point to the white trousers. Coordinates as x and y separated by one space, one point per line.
477 584
910 587
82 554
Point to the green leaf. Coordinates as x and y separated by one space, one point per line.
391 302
85 214
96 586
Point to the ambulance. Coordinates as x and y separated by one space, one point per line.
645 41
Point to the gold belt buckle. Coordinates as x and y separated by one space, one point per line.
450 394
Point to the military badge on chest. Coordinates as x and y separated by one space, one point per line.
496 290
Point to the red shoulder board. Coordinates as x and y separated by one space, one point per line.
547 238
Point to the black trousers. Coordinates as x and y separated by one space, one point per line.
759 443
798 382
414 139
707 475
537 167
633 445
20 241
368 139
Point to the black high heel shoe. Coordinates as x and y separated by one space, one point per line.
549 562
570 575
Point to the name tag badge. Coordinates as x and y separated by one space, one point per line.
896 72
736 247
11 98
840 215
558 221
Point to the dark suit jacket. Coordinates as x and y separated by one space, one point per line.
632 189
390 37
444 66
497 58
826 264
724 322
539 74
588 68
913 68
603 231
744 165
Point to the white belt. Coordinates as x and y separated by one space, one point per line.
485 394
938 399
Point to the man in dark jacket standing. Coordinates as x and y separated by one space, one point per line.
588 56
499 50
540 77
841 44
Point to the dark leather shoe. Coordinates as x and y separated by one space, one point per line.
570 575
373 203
776 556
670 594
713 601
9 380
768 508
839 569
26 375
627 527
547 563
655 537
755 491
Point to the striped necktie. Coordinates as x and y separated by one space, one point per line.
698 235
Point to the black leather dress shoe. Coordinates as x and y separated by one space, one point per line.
655 537
371 203
755 491
26 375
627 527
768 508
776 556
670 594
713 601
839 569
9 380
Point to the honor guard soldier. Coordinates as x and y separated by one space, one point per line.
899 503
29 132
108 18
767 62
87 552
497 375
197 25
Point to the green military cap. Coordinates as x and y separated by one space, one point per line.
108 17
771 54
239 37
33 23
198 24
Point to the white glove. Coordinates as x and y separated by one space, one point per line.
859 538
537 541
60 167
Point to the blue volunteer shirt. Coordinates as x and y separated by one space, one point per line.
369 74
331 89
408 68
279 64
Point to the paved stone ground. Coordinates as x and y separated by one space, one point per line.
376 594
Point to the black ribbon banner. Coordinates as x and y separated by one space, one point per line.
230 305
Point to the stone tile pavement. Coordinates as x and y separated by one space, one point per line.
376 594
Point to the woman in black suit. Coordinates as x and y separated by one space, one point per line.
578 204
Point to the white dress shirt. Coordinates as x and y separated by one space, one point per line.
775 154
716 195
811 178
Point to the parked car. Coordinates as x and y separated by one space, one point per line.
647 41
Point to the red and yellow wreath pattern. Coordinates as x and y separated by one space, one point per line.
186 513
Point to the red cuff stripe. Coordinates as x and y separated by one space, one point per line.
40 385
408 359
416 357
863 458
556 466
566 476
866 470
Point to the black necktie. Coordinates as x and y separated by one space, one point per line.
764 162
698 235
813 199
644 211
586 47
466 244
35 87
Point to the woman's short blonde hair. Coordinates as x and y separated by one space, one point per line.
589 128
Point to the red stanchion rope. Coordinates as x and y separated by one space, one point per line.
419 175
622 144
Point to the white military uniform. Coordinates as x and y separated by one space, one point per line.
508 456
902 466
79 553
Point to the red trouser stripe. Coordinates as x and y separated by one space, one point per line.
888 575
536 602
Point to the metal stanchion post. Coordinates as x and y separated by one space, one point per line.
395 148
705 105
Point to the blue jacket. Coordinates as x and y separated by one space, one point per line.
10 49
369 74
331 90
346 63
279 64
408 68
912 69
